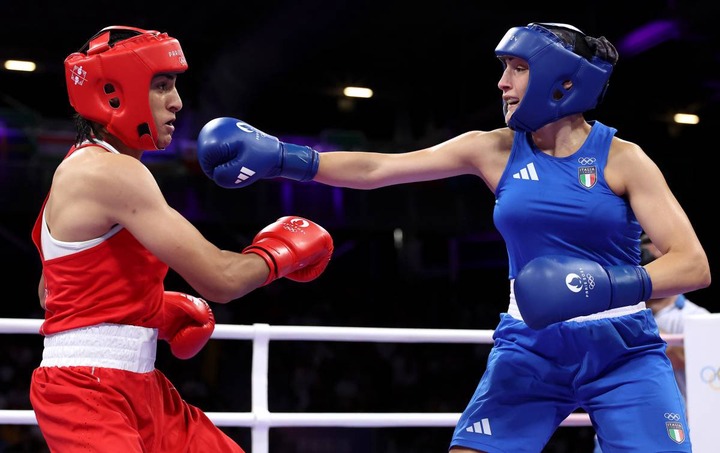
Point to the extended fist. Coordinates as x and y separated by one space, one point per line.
293 247
234 154
187 323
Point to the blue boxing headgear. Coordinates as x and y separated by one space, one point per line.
557 53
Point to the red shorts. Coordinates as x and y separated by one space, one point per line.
105 410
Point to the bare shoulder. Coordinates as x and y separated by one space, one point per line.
624 149
95 164
132 182
105 178
480 147
91 189
487 152
629 164
629 156
495 139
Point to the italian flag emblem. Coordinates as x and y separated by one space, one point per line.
675 431
587 176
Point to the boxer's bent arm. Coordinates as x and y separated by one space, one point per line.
132 198
41 291
683 266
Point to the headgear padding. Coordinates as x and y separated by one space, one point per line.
557 53
110 83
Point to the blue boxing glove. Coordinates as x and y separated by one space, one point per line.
555 288
234 154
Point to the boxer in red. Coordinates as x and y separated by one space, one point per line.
107 238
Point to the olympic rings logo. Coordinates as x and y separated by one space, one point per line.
586 160
672 416
710 376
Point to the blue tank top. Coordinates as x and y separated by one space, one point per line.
547 205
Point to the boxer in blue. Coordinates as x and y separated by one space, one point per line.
571 202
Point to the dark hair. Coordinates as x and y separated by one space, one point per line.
584 45
84 130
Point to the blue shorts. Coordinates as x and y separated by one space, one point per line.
614 368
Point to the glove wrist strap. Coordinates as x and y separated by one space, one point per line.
269 260
299 162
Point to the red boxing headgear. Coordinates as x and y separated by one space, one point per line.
110 83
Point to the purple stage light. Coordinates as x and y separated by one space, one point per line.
648 36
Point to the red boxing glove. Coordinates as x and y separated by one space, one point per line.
293 247
187 323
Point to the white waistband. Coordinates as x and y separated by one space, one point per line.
514 311
129 348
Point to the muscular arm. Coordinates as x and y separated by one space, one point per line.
684 266
123 191
218 275
480 153
41 291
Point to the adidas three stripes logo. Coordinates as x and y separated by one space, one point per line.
481 427
528 172
244 174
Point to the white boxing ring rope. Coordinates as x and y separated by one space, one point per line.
260 419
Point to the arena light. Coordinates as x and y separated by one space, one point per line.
686 118
648 36
358 92
19 65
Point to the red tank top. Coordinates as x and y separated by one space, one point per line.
117 281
